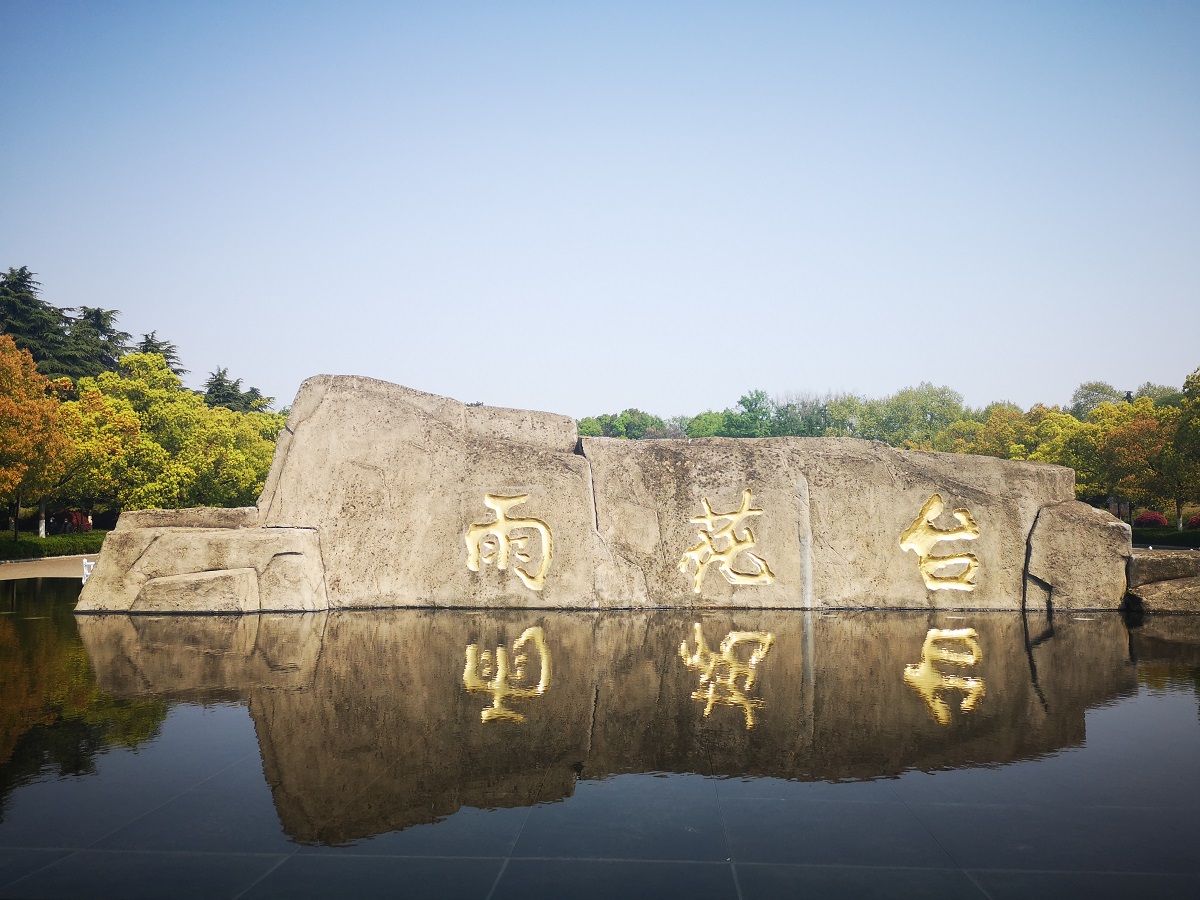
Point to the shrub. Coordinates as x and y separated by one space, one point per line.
1193 522
28 546
1151 519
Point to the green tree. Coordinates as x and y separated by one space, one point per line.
188 454
1091 394
800 415
751 417
150 343
219 390
632 424
93 342
705 424
911 417
1161 394
31 322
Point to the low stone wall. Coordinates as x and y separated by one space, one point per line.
382 496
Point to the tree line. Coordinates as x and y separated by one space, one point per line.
1127 447
84 341
90 418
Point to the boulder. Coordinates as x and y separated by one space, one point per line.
830 516
382 496
211 570
197 517
403 487
1146 566
1172 595
1080 553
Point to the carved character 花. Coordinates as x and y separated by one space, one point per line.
722 545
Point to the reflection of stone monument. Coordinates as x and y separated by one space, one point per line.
376 491
367 722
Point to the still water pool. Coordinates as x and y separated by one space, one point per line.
633 754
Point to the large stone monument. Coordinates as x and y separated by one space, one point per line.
381 496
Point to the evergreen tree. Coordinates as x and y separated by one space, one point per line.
219 390
31 322
150 343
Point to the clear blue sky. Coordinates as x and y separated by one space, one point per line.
586 207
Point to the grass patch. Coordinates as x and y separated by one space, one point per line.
1167 537
28 546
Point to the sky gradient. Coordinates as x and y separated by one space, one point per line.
588 207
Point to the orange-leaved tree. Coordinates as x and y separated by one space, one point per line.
33 446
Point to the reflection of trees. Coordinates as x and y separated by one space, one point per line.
53 718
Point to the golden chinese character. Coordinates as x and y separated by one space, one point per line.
493 674
493 542
922 536
720 673
734 538
931 684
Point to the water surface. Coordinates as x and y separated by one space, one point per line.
480 754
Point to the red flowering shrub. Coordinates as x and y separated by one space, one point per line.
1193 522
1151 519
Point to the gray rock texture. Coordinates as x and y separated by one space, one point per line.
207 570
833 512
393 478
1172 595
1146 566
382 496
1081 554
1166 580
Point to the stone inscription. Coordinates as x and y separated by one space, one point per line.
955 647
508 679
493 543
722 544
727 677
922 536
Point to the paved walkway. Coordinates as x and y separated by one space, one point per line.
52 567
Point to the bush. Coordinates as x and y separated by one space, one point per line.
28 546
1166 538
1150 519
1193 522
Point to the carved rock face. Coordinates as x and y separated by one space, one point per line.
383 496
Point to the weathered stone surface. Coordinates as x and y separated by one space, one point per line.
1081 553
199 517
392 478
206 570
367 724
834 510
1146 566
390 497
1173 595
647 494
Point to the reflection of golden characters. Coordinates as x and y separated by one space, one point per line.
721 672
493 542
922 536
931 684
493 674
734 538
